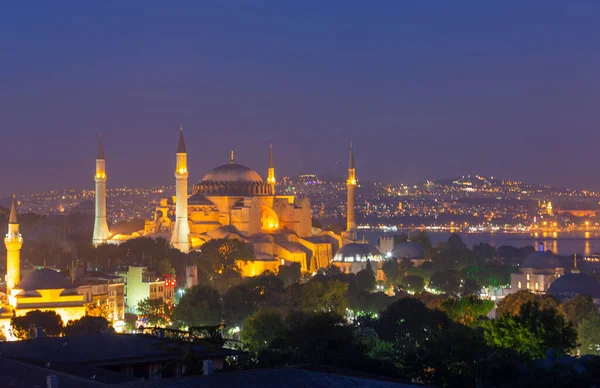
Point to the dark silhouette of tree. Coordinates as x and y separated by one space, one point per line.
24 327
289 273
88 325
365 279
200 306
446 281
407 321
456 242
577 308
400 238
262 327
413 283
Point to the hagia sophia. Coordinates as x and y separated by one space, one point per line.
233 201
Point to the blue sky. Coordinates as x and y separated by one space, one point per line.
425 90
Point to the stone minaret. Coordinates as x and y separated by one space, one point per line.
271 172
101 232
13 242
351 187
181 231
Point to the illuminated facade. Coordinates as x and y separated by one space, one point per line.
537 272
142 283
233 201
43 289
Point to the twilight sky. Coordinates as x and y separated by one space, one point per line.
425 90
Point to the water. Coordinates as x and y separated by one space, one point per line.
562 243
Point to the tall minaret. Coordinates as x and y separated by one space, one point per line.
13 242
351 187
181 231
271 172
101 232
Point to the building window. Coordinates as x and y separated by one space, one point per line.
519 284
537 286
528 277
528 287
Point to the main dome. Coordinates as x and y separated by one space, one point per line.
232 172
357 252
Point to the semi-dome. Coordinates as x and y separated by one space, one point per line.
355 252
572 284
232 172
541 260
409 250
44 279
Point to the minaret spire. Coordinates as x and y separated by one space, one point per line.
351 187
13 218
231 158
101 231
181 230
271 171
13 242
181 144
100 153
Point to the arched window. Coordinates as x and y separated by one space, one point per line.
537 286
528 277
528 286
519 284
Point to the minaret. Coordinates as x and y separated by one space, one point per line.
351 187
181 231
13 242
101 232
271 172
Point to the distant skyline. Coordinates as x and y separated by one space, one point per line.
424 90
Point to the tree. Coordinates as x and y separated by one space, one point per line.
512 303
325 296
407 321
164 267
456 242
532 331
156 312
222 255
588 333
289 273
422 238
392 272
413 283
97 310
319 338
400 238
238 303
88 325
24 327
365 279
200 306
262 327
467 309
577 308
445 281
